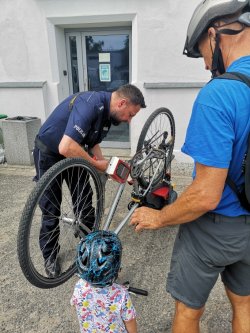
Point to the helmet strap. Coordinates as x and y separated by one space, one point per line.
218 67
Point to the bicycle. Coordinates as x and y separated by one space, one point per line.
150 170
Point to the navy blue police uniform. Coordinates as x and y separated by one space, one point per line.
84 117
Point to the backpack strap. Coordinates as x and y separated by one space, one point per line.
72 101
233 187
245 79
235 76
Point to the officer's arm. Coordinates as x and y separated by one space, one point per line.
97 152
70 148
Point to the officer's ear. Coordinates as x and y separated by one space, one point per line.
122 102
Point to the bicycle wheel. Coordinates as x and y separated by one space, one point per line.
158 133
68 199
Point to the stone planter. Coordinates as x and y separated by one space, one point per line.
18 136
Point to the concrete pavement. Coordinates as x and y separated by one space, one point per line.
146 259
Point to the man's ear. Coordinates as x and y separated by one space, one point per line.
122 102
211 33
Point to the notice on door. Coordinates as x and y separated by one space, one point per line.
104 57
104 72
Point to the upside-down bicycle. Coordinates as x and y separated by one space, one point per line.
150 170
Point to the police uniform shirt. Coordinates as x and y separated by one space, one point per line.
86 121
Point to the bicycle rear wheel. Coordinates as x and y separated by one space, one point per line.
68 216
159 133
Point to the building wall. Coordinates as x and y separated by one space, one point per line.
33 54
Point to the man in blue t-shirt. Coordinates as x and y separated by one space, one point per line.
74 129
214 232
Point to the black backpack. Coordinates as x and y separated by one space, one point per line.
243 194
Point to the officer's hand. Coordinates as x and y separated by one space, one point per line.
101 165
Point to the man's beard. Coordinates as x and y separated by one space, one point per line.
114 120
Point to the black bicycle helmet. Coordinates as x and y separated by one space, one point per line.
206 13
99 258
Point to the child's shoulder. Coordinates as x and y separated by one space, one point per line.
114 288
119 287
82 284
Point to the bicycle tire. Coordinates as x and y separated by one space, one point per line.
159 122
71 226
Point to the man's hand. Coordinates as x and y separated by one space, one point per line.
101 164
146 218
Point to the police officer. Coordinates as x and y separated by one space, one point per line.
74 129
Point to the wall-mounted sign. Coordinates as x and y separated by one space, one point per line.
104 72
104 57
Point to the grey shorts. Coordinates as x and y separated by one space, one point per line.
203 249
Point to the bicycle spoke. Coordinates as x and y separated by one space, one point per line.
158 133
66 197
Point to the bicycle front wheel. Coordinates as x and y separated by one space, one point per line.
159 133
65 205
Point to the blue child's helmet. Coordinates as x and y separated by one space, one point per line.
99 258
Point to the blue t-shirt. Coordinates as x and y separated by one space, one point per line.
79 123
218 131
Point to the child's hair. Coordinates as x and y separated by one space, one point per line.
99 258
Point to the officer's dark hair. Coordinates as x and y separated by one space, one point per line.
132 93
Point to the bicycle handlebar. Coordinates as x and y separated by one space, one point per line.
138 291
135 290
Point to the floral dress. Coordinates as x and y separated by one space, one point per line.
102 309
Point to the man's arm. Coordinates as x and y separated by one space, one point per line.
201 196
70 148
97 152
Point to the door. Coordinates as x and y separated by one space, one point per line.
100 61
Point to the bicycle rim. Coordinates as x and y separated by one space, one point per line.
161 122
71 220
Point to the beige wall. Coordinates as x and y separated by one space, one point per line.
33 50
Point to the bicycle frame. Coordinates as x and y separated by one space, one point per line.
135 205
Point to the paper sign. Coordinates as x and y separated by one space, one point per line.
104 57
104 72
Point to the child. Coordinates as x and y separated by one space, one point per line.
101 304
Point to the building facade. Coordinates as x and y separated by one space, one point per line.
53 48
